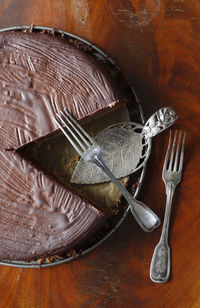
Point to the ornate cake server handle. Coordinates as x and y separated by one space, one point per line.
172 173
159 121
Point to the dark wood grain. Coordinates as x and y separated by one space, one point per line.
157 45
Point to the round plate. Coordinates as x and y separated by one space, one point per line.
116 220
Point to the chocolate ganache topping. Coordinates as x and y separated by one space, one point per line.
40 74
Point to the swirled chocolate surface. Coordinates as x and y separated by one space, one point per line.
40 74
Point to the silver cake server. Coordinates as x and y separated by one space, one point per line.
126 145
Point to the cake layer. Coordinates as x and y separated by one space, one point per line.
40 74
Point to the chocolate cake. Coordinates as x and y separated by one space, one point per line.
41 73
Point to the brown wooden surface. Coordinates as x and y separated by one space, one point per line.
157 45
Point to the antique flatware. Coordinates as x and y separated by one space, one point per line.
171 175
159 121
124 144
90 151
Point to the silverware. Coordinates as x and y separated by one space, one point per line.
90 151
159 121
171 175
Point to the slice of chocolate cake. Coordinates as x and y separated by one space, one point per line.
40 74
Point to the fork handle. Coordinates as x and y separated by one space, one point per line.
160 264
145 217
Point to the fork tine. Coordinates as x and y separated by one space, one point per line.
167 152
172 152
182 154
75 126
177 152
61 115
68 137
78 126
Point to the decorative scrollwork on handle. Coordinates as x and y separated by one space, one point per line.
160 266
159 121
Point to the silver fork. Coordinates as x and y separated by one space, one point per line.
171 175
90 151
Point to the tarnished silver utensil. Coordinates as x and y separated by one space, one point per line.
124 144
171 175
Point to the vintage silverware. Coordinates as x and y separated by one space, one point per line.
124 133
90 151
171 175
159 121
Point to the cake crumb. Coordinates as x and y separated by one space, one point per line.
72 163
71 253
111 105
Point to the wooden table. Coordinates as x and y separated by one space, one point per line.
157 45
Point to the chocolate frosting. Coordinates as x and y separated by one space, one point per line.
40 74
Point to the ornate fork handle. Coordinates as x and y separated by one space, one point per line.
146 218
160 264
